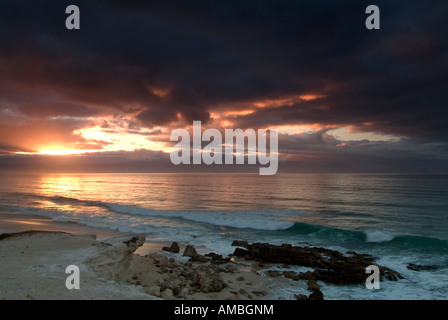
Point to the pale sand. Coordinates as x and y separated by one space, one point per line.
32 266
14 222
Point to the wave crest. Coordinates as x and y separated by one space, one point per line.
378 236
235 219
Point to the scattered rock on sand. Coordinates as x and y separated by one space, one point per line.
175 286
159 259
242 291
217 258
154 291
168 294
234 297
208 279
174 248
189 251
198 258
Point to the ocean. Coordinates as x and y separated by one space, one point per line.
400 219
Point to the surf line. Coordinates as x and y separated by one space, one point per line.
234 147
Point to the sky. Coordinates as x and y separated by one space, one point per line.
106 97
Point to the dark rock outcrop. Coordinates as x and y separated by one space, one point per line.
329 265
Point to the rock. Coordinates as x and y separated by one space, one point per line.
313 286
133 243
164 269
418 267
303 256
306 275
219 267
112 261
198 258
316 295
184 293
154 291
230 268
390 274
160 260
242 253
273 273
240 278
167 294
217 258
174 248
291 275
234 297
189 251
330 266
242 291
208 279
239 243
174 285
187 274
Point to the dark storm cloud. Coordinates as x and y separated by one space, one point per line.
165 61
207 53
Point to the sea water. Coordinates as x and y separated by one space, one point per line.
400 219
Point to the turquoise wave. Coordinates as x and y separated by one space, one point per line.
367 237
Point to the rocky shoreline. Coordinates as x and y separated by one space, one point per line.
330 266
172 274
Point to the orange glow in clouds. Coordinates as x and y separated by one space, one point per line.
97 139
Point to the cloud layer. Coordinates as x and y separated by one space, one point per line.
150 66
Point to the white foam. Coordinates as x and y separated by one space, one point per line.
235 219
378 236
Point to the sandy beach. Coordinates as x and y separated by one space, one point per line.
35 251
